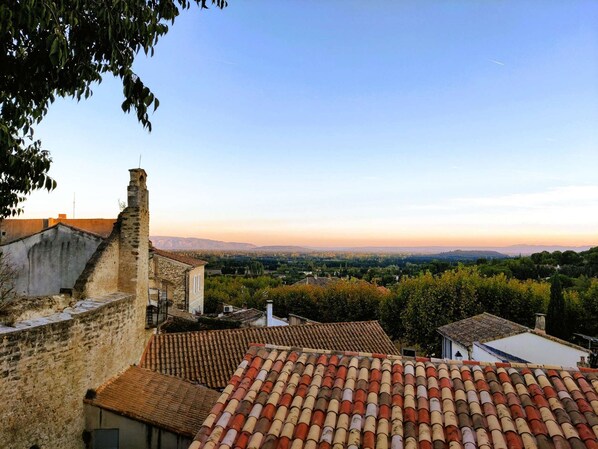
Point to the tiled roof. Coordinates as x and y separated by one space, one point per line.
486 327
289 398
317 281
164 401
211 357
483 327
179 258
244 315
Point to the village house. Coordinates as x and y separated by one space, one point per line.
179 278
486 337
143 409
210 358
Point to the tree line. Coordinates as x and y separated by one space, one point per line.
412 309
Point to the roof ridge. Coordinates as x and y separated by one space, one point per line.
425 359
259 329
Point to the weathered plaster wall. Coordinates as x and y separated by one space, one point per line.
133 434
50 260
48 364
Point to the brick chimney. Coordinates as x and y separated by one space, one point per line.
540 326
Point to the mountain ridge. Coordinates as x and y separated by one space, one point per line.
199 244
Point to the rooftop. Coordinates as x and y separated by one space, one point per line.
191 261
486 327
282 397
483 327
164 401
211 357
317 281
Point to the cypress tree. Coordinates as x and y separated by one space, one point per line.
556 319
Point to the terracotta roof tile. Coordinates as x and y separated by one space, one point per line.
339 400
212 357
481 328
163 401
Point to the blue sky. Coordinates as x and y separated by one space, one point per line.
351 123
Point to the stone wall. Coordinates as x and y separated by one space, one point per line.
100 276
48 364
171 276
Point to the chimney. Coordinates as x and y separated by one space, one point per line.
540 323
269 307
61 216
134 238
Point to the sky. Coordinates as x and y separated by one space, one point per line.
351 123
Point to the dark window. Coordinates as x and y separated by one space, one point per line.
104 439
408 352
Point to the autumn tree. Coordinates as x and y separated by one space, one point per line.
51 49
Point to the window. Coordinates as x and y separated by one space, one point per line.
197 283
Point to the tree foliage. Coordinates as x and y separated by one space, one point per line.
421 304
53 48
556 318
8 275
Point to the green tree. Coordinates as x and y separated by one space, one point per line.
556 314
54 48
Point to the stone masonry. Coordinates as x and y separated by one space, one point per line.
48 364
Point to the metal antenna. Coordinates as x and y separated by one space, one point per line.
73 204
139 160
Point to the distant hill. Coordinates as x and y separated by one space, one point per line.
439 252
460 255
190 243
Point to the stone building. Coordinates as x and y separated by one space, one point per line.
51 259
178 277
50 359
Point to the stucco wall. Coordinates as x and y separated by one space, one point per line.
456 347
47 365
50 260
12 229
133 434
196 302
537 349
479 354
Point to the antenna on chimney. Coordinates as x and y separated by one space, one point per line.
139 160
73 204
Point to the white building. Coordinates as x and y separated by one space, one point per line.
488 338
